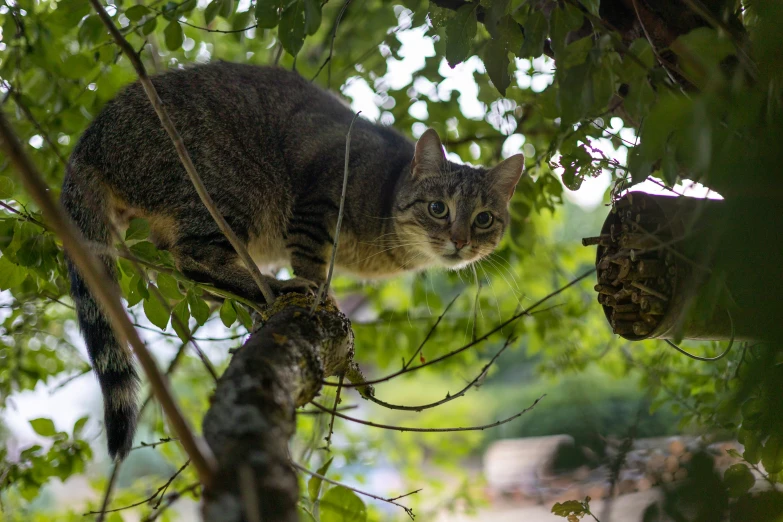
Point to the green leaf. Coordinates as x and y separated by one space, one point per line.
168 286
591 6
137 12
536 29
76 66
575 95
149 26
69 13
460 32
496 61
7 228
244 316
211 11
228 313
144 250
11 274
198 307
137 229
267 13
181 327
738 479
292 27
131 290
563 21
226 8
79 425
43 427
91 31
752 448
7 188
563 509
772 454
509 39
173 35
703 46
314 484
312 16
155 311
576 52
31 251
340 504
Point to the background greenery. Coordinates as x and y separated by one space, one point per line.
713 117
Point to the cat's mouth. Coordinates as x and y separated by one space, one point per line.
456 259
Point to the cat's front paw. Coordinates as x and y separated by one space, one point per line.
297 285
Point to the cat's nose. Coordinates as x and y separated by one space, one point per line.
459 244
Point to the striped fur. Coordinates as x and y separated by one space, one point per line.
269 146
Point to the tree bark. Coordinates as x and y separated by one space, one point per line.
252 415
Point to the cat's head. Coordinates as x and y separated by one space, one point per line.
450 214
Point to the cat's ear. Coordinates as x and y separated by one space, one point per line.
506 174
429 156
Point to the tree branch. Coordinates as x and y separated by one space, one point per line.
252 415
428 430
515 317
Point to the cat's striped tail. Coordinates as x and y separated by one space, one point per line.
85 200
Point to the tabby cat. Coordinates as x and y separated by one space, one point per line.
270 147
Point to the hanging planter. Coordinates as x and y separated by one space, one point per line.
655 270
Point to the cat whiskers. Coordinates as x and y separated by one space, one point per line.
507 267
402 245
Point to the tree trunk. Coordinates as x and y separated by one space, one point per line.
252 413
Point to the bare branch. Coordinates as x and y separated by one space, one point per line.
94 273
334 409
408 510
109 488
429 430
184 156
430 332
325 289
448 397
161 490
173 497
153 444
481 339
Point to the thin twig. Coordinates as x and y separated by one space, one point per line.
207 29
430 332
334 409
98 282
23 215
29 115
431 430
160 492
109 488
173 497
448 397
331 45
324 290
408 510
153 444
513 318
62 384
183 154
319 412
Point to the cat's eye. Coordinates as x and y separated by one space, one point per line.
439 209
483 220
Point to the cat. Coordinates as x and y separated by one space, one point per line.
270 148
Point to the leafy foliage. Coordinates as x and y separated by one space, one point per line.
563 82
